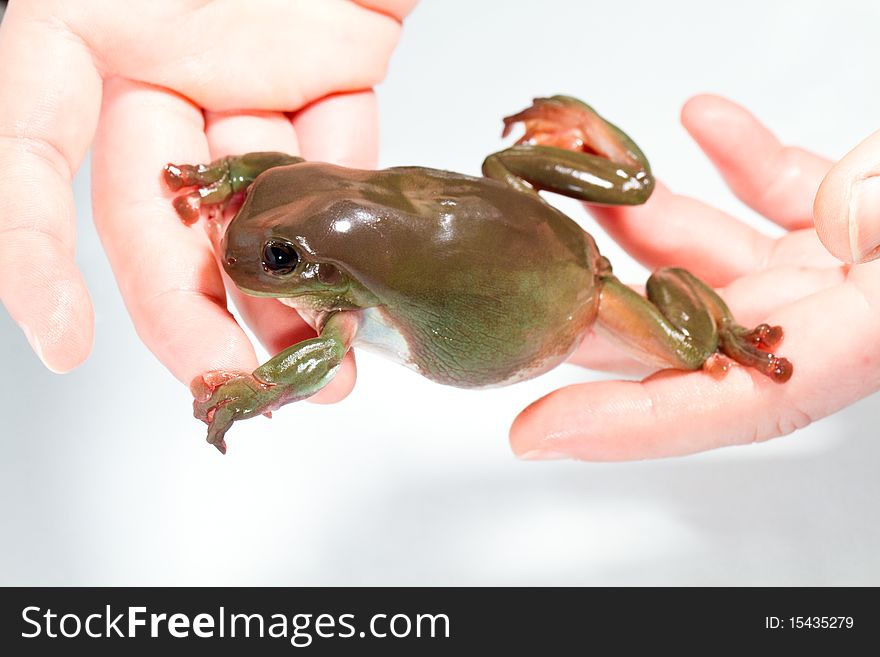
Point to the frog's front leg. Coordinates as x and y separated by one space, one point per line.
569 149
684 324
217 182
298 372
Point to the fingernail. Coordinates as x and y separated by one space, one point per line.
864 219
34 342
543 455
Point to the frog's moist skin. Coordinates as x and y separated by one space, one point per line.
454 269
471 281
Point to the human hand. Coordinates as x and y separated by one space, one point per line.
830 312
847 207
157 82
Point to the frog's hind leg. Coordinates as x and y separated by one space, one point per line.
683 324
216 183
569 149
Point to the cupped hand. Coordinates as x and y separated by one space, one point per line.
830 312
157 82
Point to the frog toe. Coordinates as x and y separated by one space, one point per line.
764 336
188 207
178 176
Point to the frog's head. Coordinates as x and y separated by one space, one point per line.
266 255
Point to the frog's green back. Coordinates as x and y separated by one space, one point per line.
486 285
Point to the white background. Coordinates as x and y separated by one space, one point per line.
105 478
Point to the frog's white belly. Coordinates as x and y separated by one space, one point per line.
377 334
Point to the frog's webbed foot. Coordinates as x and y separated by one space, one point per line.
202 184
221 397
565 122
215 184
569 149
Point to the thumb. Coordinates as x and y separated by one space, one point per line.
847 206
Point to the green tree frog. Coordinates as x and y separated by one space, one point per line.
470 281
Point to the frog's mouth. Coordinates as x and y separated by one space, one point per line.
307 311
301 302
256 293
286 298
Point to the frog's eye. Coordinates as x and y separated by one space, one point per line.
279 258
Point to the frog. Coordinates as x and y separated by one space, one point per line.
471 281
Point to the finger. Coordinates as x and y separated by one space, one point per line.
672 230
847 207
754 298
675 230
234 133
274 324
624 420
800 248
51 97
598 352
342 129
778 181
396 8
165 270
829 338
